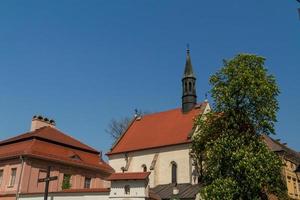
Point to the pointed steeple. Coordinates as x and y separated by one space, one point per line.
188 70
189 97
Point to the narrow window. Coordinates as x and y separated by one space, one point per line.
127 189
1 176
66 184
144 167
190 86
185 87
174 172
87 182
13 176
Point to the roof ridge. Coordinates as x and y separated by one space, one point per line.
174 109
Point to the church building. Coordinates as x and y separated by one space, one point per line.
159 143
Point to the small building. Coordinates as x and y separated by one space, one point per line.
129 185
25 158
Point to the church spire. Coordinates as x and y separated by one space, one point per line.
188 71
189 97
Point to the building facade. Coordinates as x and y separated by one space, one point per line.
25 158
290 169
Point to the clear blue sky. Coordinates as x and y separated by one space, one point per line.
86 62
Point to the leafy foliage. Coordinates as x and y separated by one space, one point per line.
232 159
246 93
66 184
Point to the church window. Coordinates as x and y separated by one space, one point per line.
13 176
174 172
190 86
1 176
185 87
87 182
127 189
144 167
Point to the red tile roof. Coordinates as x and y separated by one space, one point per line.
128 176
157 130
42 145
52 134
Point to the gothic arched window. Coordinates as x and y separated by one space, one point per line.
174 172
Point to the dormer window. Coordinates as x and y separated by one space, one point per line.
75 157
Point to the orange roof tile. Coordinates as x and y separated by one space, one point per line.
52 134
35 144
128 176
158 130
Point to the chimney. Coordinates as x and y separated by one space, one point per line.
40 121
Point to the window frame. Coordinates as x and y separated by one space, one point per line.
1 176
13 177
67 179
174 168
89 183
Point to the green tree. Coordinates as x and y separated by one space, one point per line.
232 160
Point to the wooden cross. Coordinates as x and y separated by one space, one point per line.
47 181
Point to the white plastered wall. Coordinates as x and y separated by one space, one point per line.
138 190
162 170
